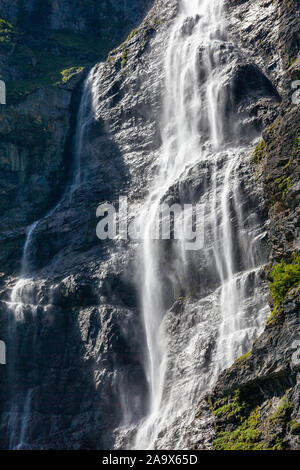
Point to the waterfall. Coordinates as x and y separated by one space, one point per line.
194 135
23 296
201 309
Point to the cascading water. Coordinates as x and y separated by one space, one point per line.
201 309
233 313
23 296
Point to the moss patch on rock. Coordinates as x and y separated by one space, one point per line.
8 35
284 277
52 60
245 437
260 151
241 425
49 58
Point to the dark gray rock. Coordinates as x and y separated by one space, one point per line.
76 362
81 340
89 16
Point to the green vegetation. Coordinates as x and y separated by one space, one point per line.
69 73
241 360
260 151
293 60
294 427
45 59
239 426
245 437
281 413
296 142
296 148
28 132
132 34
284 277
8 35
124 58
276 317
232 409
284 183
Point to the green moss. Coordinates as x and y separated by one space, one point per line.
283 278
132 34
293 60
280 444
226 410
229 408
281 413
245 437
29 132
247 431
294 427
8 35
276 317
284 182
49 59
260 151
296 142
242 359
240 424
69 73
124 58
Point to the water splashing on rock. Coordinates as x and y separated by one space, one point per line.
219 312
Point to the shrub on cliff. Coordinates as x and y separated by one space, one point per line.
283 278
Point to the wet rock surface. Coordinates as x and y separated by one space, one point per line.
255 404
80 346
80 336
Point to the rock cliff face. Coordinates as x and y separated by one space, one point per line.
43 73
255 404
75 373
100 18
37 148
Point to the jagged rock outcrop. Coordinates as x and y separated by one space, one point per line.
255 403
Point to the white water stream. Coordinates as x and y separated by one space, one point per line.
192 134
